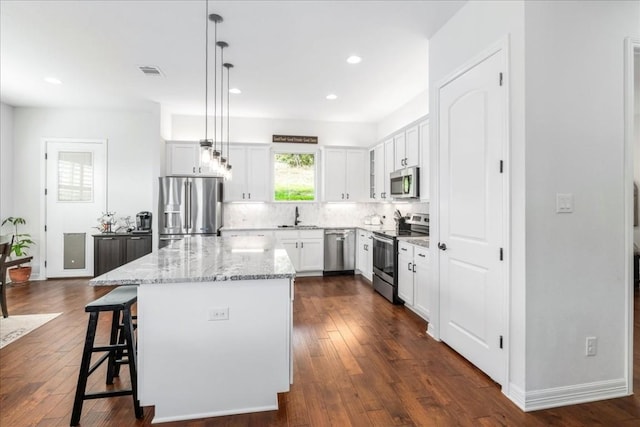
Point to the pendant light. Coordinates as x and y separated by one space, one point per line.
223 161
215 154
227 172
205 144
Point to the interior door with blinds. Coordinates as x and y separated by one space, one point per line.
75 199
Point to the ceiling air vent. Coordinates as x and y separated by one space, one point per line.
150 70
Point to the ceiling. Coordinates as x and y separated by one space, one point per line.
287 55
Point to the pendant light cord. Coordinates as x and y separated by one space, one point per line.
215 86
206 73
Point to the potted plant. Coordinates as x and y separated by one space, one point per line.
21 242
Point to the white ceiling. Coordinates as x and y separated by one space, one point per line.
288 55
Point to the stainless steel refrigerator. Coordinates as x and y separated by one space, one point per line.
189 206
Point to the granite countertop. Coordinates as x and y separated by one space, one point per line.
306 227
418 241
205 259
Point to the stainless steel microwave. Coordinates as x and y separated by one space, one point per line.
405 183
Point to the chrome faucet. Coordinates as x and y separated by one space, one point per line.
297 221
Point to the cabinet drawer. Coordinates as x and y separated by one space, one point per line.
405 247
421 253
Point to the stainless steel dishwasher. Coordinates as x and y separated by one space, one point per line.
339 250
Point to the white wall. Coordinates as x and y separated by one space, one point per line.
576 286
413 110
567 271
476 27
256 130
133 158
6 162
636 137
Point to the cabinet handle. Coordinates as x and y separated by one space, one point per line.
414 268
296 245
242 196
422 255
342 196
135 238
373 195
106 238
409 266
199 170
403 249
347 196
194 169
249 196
301 245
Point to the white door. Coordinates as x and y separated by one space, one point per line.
405 273
258 163
335 167
471 129
311 255
75 199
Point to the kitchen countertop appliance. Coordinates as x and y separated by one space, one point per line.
385 252
339 251
143 222
189 205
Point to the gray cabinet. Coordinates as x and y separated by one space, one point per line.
113 250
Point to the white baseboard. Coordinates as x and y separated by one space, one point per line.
569 395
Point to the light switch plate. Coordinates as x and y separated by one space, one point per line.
564 203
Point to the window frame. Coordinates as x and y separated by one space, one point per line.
296 149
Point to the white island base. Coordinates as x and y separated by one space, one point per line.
192 366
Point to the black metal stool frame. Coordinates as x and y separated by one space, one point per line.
121 344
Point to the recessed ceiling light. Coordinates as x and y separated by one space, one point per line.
354 59
53 80
235 90
332 96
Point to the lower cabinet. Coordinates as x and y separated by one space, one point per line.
304 247
414 269
112 251
364 257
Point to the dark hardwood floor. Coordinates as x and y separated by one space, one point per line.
358 361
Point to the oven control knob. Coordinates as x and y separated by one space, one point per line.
442 246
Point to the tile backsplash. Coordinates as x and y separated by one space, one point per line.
254 215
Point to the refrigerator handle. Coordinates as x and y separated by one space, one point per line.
186 205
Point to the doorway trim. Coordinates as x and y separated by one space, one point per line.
631 46
42 275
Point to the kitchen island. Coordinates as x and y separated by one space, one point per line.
214 325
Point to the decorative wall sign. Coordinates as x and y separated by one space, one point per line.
296 139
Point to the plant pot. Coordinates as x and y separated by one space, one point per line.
20 274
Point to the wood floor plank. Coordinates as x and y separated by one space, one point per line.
358 361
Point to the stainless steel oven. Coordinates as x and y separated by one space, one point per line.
385 253
384 266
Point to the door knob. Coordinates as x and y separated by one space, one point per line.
442 246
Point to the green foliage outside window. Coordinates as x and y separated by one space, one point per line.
294 177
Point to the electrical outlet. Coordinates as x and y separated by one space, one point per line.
219 313
592 346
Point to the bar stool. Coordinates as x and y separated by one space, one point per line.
121 349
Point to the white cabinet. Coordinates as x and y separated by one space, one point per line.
344 175
364 258
382 167
304 247
183 158
251 174
414 269
405 272
424 160
246 232
421 281
407 148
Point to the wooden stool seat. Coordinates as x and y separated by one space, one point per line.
121 349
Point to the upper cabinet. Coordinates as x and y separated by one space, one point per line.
345 178
423 133
408 147
251 174
183 158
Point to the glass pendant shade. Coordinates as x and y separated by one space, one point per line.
205 151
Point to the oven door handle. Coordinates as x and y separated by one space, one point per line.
382 239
